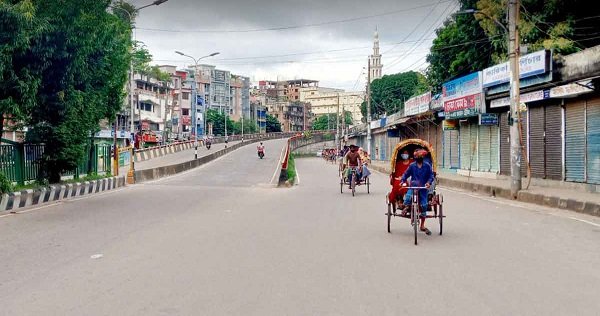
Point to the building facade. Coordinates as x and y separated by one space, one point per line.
325 102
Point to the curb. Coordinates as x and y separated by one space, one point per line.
589 208
26 198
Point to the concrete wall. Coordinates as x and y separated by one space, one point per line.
313 148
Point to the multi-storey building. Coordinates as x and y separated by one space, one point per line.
325 102
282 100
240 97
153 103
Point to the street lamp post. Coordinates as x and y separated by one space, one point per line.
513 52
130 173
194 101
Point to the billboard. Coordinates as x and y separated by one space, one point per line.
418 104
463 97
529 65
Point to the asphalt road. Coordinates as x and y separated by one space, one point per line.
220 240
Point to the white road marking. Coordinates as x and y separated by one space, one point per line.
97 256
584 221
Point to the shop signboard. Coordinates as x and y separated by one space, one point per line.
463 96
437 102
572 89
524 98
529 65
418 104
488 119
450 125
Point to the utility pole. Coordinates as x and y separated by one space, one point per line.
515 116
337 124
369 108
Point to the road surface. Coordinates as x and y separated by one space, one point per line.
220 240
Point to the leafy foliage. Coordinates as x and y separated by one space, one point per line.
273 125
72 59
249 127
19 80
323 122
218 122
461 47
389 93
564 26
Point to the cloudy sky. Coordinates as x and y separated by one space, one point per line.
326 40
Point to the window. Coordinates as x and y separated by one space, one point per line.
185 111
185 95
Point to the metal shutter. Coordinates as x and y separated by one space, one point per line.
484 149
504 145
536 142
593 140
465 144
575 141
494 149
474 147
553 140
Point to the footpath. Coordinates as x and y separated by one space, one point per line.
557 197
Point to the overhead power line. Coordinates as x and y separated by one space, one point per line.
289 27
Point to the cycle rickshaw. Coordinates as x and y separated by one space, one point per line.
396 197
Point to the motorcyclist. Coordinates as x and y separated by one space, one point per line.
261 149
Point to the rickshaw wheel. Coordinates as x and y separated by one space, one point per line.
415 219
441 218
389 216
342 185
353 183
368 184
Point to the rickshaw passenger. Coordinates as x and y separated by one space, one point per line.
364 157
401 167
421 174
353 161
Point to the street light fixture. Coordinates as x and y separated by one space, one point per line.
130 178
196 60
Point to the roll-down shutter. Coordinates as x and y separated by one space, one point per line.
553 140
575 141
536 142
593 140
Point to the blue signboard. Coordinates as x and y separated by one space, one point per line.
488 119
199 100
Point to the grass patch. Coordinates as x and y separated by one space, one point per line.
291 168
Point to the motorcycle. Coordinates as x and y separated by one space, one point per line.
208 144
261 154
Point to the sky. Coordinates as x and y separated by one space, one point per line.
325 40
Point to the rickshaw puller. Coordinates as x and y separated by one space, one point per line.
353 161
421 174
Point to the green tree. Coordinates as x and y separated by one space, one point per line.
460 47
79 64
250 127
19 80
563 26
322 121
273 125
218 122
389 93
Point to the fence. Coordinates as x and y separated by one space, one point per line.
22 162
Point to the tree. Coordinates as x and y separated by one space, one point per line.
18 79
273 125
249 127
322 122
218 122
78 67
563 26
389 93
460 47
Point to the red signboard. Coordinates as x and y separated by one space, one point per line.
186 120
463 106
